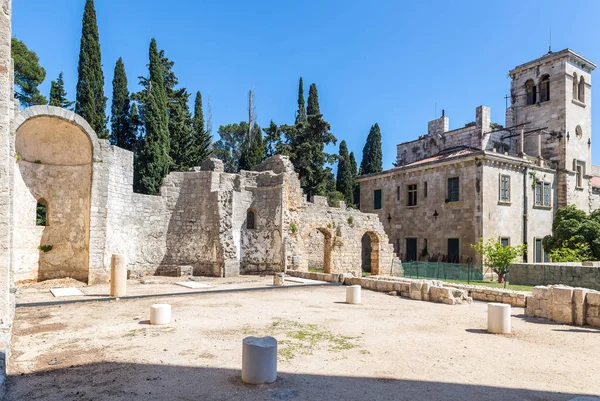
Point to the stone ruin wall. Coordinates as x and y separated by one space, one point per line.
562 304
571 274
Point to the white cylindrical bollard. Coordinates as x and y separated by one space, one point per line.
160 314
499 318
278 279
259 360
353 294
118 275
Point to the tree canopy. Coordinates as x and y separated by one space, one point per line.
573 229
372 160
29 74
58 94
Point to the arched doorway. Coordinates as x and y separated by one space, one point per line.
370 253
318 250
52 196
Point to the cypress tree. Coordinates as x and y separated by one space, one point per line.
253 150
90 100
58 94
372 161
121 133
180 131
153 160
313 107
356 185
135 123
345 180
201 138
301 113
272 139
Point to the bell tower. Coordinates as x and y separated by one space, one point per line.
551 106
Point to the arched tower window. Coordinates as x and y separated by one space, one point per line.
251 220
581 90
530 89
41 215
575 86
545 88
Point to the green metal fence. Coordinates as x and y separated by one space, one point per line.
442 271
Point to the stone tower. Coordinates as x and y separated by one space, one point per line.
551 108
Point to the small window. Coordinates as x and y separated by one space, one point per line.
579 175
377 199
251 220
545 88
547 188
575 86
540 255
539 201
425 190
504 188
412 195
578 132
398 193
505 241
530 90
453 189
581 94
41 218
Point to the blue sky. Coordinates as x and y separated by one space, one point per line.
373 61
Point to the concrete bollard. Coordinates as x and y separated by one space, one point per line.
353 294
278 279
160 314
499 318
118 275
259 360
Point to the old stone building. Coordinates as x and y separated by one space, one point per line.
452 188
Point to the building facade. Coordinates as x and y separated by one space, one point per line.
452 188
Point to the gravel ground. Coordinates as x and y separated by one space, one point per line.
388 348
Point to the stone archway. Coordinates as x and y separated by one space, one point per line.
54 153
318 248
370 252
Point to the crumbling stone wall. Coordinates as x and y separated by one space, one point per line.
563 304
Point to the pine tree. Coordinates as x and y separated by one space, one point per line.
253 150
229 147
153 159
135 123
180 131
272 139
313 101
356 185
201 138
301 113
29 74
58 94
90 101
121 133
344 179
372 161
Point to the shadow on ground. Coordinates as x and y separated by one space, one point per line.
129 381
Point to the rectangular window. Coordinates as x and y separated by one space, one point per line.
398 193
453 190
504 188
425 190
538 194
505 242
547 188
377 199
412 195
539 251
453 250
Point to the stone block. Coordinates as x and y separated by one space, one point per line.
593 298
425 290
213 164
440 294
562 295
562 313
384 286
415 290
579 295
540 292
183 271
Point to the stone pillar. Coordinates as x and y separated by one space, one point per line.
499 318
259 360
118 275
160 314
353 294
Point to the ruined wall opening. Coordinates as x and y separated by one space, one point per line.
318 248
54 168
370 253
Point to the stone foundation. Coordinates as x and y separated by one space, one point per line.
562 304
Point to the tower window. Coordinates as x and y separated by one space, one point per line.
581 90
251 220
453 189
41 217
412 195
545 88
575 86
531 92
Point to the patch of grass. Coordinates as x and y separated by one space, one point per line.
366 274
316 270
303 339
493 284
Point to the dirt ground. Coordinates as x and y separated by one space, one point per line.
388 348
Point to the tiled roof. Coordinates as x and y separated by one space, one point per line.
596 182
